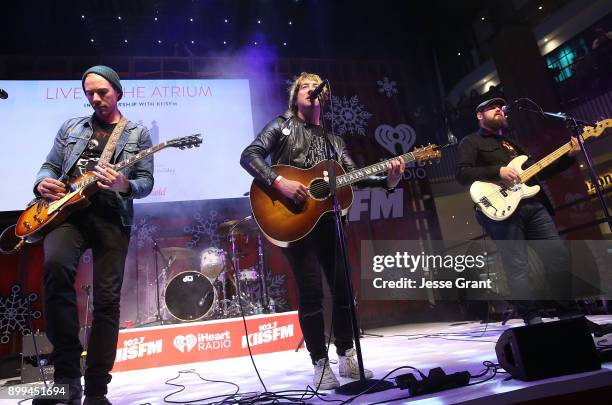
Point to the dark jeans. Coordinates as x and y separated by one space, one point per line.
97 227
307 257
531 226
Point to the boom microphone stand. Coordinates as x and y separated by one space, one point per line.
363 384
575 126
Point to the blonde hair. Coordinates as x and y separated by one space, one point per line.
295 87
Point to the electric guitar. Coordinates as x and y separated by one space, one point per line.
282 221
43 215
499 200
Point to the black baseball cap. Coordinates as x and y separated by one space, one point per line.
490 102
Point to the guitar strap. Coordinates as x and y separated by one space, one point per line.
109 149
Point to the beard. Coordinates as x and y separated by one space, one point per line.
496 122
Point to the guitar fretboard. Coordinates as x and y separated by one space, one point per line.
360 174
130 161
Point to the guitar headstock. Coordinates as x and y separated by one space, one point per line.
427 153
190 141
597 130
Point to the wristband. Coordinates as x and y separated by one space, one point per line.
277 181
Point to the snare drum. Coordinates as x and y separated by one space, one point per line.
189 296
212 262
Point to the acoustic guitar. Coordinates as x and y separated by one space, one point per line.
283 222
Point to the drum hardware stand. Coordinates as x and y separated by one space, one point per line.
265 302
574 125
157 250
87 289
236 265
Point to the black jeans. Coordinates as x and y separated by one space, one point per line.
531 226
307 257
97 227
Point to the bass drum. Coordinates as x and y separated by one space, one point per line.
189 296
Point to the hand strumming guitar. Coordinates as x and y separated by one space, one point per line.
292 189
51 189
509 175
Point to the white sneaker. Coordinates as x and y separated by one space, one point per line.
348 366
328 381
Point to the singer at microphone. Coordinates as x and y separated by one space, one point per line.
318 90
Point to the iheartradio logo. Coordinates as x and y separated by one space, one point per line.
185 343
398 140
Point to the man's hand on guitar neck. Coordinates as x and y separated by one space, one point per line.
51 189
291 189
575 147
109 179
396 171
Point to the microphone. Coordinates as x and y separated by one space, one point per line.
3 94
318 90
509 107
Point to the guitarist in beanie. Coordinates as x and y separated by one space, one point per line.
80 146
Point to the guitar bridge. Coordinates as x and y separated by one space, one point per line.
40 204
486 203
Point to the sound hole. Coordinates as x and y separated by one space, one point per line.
319 189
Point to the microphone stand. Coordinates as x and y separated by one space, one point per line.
574 125
363 384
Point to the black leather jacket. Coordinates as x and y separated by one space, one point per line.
285 139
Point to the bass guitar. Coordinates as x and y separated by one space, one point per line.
499 200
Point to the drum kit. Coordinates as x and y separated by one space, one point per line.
220 288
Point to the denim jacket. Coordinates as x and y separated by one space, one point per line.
70 142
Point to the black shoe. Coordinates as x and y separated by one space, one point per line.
96 400
75 393
599 330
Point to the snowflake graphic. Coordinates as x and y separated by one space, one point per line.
144 231
14 312
277 291
204 227
349 116
387 86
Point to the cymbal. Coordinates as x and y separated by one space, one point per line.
237 226
179 253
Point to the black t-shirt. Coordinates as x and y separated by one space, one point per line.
91 155
316 150
90 158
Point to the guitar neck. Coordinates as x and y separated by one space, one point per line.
544 162
128 162
360 174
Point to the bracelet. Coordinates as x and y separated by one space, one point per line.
277 181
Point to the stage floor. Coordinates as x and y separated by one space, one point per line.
454 347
